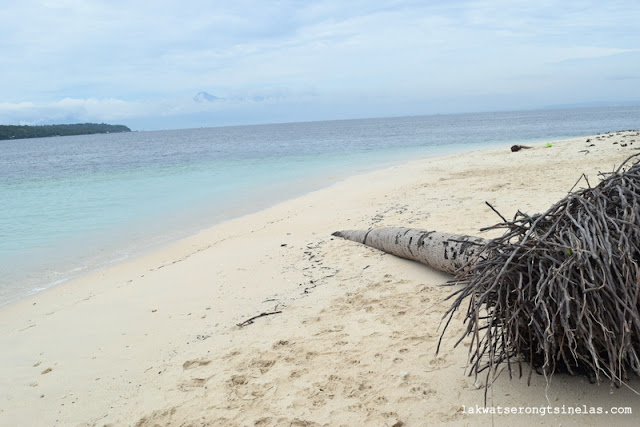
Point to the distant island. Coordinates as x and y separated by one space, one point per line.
20 132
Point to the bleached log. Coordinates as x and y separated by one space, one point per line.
446 252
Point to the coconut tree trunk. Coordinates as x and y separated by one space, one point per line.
446 252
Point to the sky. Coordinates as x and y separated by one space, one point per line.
195 63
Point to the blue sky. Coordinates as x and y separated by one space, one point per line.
143 63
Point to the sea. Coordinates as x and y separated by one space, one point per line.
69 205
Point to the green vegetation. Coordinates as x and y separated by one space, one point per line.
19 132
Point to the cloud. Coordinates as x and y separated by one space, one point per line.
113 110
579 53
124 59
624 77
206 97
69 110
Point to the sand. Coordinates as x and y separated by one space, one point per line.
155 341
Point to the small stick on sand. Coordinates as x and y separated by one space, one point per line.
250 321
515 148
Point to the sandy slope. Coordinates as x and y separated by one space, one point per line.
154 341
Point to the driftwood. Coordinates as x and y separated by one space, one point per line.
516 147
559 290
446 252
250 321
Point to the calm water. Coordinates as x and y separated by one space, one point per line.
69 204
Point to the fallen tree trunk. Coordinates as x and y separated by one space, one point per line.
446 252
558 290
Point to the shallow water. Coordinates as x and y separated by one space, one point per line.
70 204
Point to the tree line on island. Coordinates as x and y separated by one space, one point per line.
20 132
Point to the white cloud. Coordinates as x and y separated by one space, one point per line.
70 109
123 59
113 110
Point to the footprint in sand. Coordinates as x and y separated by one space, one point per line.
193 383
262 365
244 389
281 343
196 363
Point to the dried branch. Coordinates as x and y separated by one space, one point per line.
250 321
561 290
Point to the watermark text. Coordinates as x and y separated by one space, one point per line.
546 410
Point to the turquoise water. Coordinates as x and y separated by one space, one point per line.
70 204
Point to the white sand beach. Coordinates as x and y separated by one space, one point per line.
154 341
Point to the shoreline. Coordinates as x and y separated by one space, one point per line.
154 339
114 255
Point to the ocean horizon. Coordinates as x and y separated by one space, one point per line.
78 203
